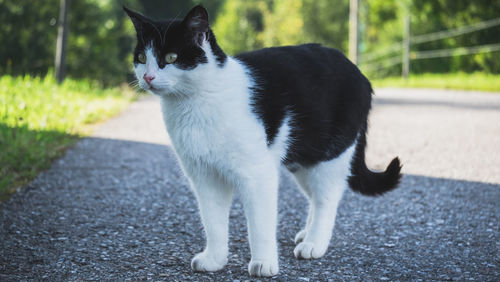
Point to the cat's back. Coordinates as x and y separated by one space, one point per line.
326 95
308 60
286 55
293 74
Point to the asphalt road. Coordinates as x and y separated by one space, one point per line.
117 207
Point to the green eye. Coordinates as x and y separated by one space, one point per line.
170 57
142 58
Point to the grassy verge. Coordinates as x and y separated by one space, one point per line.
39 119
462 81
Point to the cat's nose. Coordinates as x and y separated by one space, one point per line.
148 78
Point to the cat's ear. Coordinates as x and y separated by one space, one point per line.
196 21
137 19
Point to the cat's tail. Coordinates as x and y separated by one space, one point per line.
367 182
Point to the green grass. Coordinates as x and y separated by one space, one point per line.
463 81
40 119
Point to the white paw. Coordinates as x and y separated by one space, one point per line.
307 250
263 268
205 262
299 237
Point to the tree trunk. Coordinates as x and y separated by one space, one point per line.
353 31
62 38
406 45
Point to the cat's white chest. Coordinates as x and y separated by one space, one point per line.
212 132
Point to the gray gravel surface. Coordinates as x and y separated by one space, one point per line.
117 206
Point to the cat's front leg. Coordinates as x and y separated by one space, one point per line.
214 201
260 195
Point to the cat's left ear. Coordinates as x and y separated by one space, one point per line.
196 21
137 19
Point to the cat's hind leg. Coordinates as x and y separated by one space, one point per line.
327 182
301 179
214 201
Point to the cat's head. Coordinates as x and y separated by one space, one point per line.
173 57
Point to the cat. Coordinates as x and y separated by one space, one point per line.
233 121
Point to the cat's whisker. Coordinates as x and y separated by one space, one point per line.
136 86
134 83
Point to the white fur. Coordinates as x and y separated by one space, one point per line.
222 147
323 185
282 141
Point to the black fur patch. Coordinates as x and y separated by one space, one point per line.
326 95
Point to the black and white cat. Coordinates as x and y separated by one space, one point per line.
234 120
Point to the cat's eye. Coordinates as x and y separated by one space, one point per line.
170 57
142 58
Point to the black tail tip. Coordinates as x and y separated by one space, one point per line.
371 183
395 165
393 173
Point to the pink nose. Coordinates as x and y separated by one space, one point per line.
148 78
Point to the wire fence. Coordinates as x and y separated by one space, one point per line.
455 51
378 60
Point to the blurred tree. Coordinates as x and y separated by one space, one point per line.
100 42
28 33
102 37
284 24
98 45
430 16
240 24
62 39
327 22
383 27
247 25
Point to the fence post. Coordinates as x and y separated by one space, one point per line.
62 38
406 45
353 31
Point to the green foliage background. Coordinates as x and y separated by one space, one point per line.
101 36
382 26
39 119
248 25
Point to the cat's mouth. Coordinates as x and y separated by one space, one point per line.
151 88
156 91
